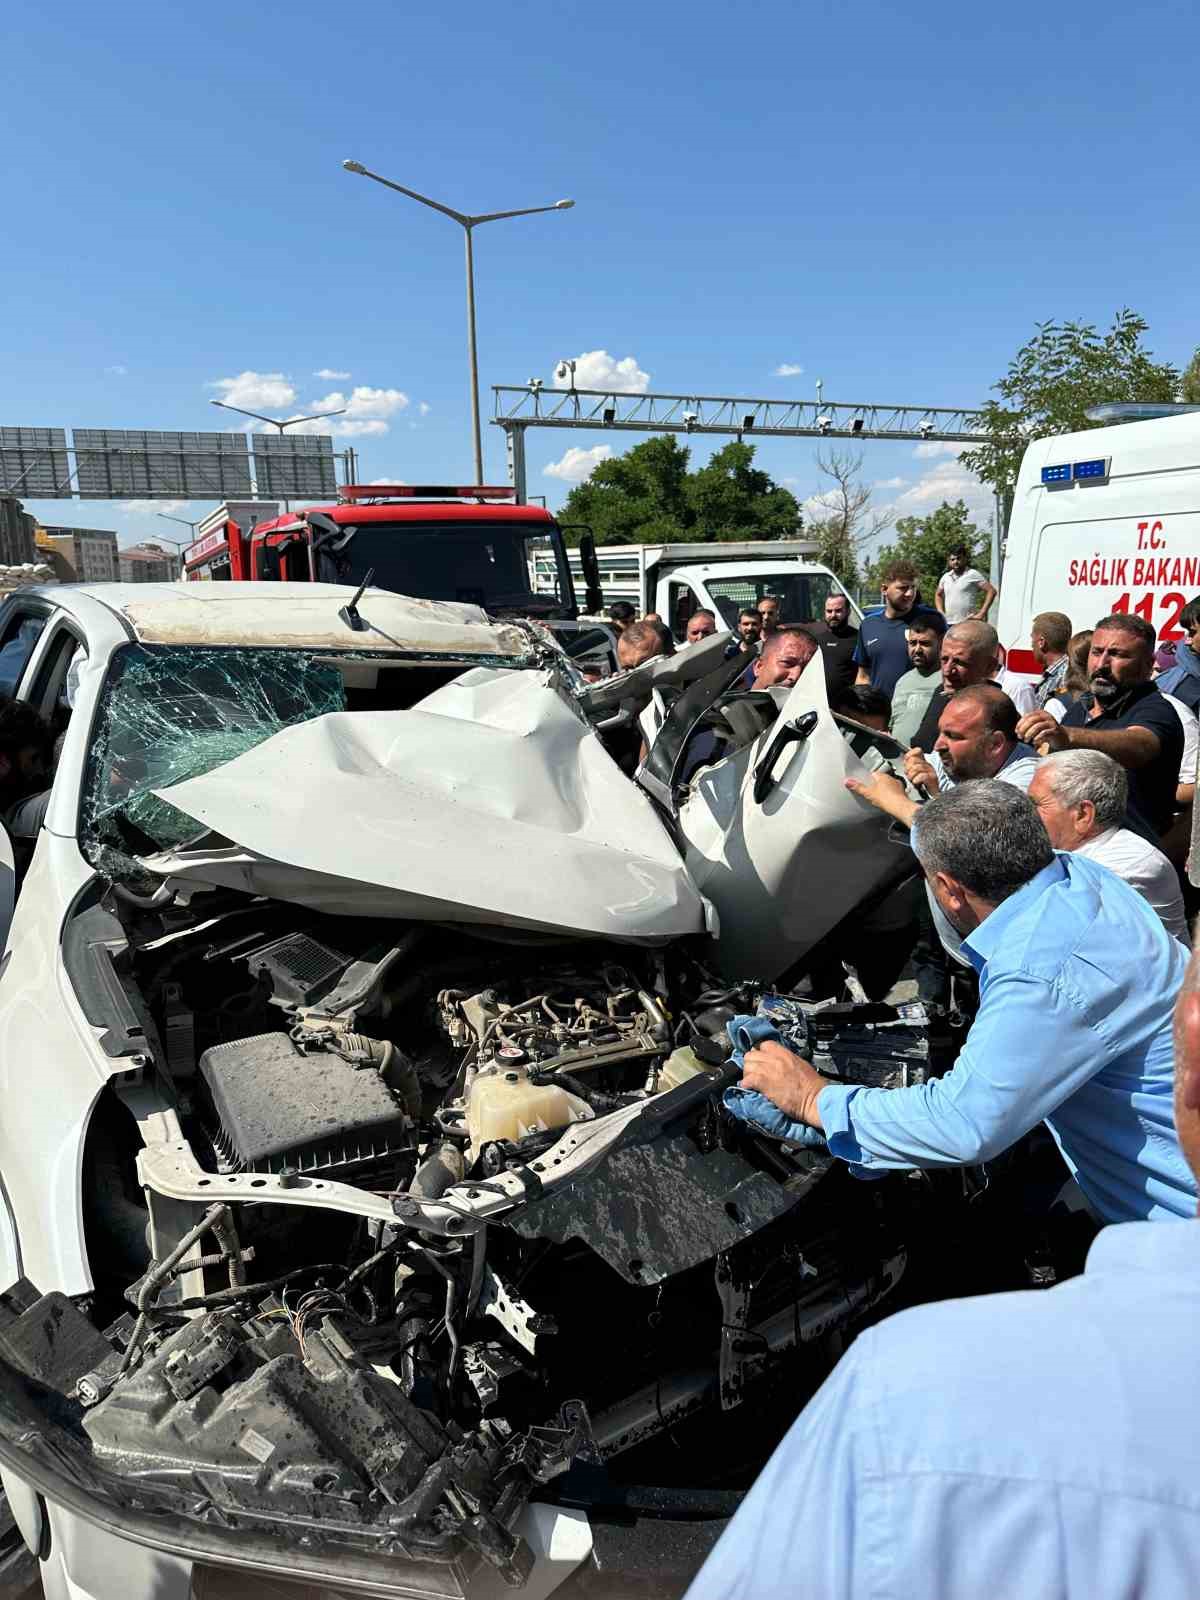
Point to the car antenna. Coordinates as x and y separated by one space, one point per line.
349 614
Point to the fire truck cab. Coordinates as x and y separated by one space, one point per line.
473 544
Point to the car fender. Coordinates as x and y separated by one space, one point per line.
52 1070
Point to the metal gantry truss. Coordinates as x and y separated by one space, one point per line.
532 406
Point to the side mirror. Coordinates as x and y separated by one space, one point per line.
593 595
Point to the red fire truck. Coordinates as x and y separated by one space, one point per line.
472 544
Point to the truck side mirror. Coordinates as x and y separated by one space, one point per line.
593 594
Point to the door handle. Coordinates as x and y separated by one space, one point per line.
795 731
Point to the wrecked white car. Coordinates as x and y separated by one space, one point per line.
370 1218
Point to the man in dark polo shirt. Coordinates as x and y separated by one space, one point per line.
881 654
1124 715
837 637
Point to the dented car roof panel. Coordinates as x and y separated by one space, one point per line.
306 614
493 802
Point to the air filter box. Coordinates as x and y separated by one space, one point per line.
273 1108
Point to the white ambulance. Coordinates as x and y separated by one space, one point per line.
1103 521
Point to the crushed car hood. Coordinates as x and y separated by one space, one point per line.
491 802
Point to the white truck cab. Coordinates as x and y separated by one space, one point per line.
1102 521
678 579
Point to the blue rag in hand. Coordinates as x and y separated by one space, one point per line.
748 1105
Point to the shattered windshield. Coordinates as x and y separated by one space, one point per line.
169 713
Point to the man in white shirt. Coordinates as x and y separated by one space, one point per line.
963 593
1186 791
1081 797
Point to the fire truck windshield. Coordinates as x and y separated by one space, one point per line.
488 564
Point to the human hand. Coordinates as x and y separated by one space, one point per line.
885 793
1043 732
919 770
786 1079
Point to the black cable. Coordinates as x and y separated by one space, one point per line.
247 1291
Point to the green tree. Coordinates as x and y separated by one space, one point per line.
1189 387
637 498
927 543
1052 382
731 498
648 496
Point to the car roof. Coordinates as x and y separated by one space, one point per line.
292 615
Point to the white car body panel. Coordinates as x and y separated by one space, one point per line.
783 873
42 1130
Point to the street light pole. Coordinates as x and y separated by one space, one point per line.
179 544
468 223
288 422
472 355
183 523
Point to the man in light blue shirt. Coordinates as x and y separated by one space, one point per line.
1034 1444
1077 980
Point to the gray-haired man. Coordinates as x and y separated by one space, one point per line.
1081 796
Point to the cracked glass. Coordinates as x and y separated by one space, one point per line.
169 713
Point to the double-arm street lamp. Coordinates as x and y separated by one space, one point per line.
179 544
467 223
286 422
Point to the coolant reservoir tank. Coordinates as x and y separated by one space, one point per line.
503 1104
681 1065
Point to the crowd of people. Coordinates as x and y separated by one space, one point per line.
1033 1442
1019 1443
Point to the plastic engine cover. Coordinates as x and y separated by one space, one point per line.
276 1108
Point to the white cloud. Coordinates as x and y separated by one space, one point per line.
596 369
946 481
890 483
367 412
578 465
330 373
787 369
932 448
424 408
118 371
256 391
820 505
151 508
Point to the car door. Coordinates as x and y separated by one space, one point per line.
772 837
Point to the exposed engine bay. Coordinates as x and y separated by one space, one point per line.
393 1224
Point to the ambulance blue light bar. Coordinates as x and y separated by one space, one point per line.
1078 471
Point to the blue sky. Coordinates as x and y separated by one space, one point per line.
887 198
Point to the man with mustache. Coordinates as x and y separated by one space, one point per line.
1123 715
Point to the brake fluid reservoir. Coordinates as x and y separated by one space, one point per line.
503 1104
